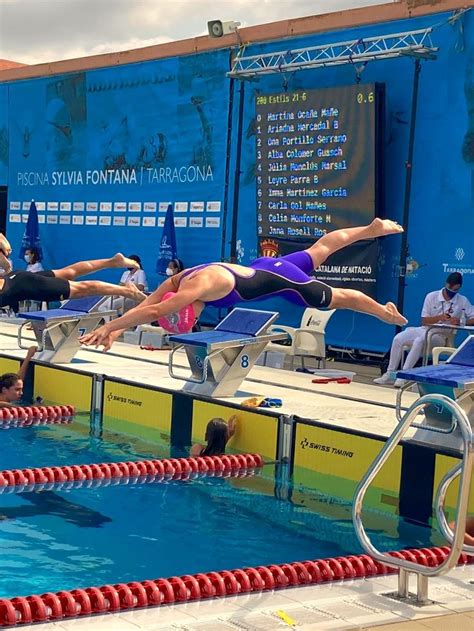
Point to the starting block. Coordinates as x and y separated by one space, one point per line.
57 331
221 359
454 379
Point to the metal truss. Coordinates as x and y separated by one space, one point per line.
360 51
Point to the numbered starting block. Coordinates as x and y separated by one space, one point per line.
221 359
57 331
454 379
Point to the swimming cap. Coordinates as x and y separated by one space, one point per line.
180 322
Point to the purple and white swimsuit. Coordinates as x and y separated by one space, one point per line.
284 277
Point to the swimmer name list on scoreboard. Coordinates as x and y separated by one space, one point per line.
316 162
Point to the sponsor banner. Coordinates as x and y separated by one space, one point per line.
196 222
137 407
196 207
181 207
63 387
213 222
354 267
335 461
213 207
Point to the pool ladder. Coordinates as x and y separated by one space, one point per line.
463 469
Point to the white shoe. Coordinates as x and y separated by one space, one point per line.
399 383
384 379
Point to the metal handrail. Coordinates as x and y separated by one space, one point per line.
423 572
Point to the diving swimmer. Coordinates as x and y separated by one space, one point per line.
60 284
225 284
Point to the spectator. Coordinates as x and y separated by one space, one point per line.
32 260
135 276
444 305
175 266
11 384
218 433
34 266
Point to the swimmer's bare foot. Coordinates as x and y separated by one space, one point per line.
393 315
119 260
134 293
383 227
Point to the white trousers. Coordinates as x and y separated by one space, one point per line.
414 337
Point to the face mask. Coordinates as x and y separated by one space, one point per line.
450 292
27 258
169 272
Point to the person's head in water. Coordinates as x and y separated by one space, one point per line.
175 266
136 258
216 437
453 284
11 387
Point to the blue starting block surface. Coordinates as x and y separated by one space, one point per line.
77 307
208 338
457 372
50 314
453 375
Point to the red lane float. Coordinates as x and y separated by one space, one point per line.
11 417
141 471
110 598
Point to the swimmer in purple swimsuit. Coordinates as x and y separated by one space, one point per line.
225 284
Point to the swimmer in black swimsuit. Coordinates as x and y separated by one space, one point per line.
224 284
60 284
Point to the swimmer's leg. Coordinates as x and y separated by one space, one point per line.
357 301
88 267
83 288
338 239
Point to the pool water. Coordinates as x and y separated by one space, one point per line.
64 539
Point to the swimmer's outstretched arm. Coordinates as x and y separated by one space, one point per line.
143 314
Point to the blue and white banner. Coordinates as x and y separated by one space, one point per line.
168 250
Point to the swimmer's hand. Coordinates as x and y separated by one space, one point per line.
100 337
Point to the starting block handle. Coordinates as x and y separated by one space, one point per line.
20 341
191 379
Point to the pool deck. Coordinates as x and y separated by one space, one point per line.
359 406
339 605
358 604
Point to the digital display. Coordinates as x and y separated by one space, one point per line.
318 164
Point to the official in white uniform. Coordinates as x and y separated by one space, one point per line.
446 305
